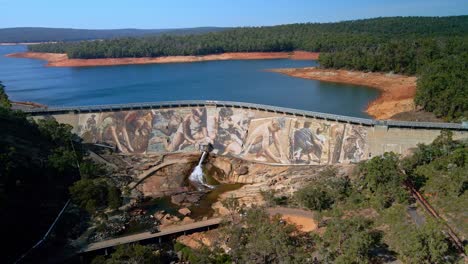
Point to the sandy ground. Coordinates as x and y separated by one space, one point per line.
61 60
397 91
302 219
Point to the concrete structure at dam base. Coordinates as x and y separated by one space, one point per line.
253 132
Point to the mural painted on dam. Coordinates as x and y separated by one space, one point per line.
129 131
354 144
227 129
252 135
186 129
322 142
309 142
178 130
268 140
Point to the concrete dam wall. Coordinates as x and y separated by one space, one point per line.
253 132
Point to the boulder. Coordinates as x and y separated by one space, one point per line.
185 211
178 198
187 220
242 170
194 197
169 220
224 165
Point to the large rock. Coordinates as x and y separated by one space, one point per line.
223 164
178 198
242 170
169 220
194 197
187 220
184 211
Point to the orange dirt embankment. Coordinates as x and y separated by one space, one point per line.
397 91
61 60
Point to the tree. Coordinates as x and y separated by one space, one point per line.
59 133
134 253
322 193
91 170
383 179
349 241
89 194
4 101
62 159
442 87
314 197
113 197
259 239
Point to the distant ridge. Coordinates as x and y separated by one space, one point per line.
42 34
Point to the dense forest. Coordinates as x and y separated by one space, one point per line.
39 34
41 163
327 37
406 45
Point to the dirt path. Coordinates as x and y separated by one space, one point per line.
61 60
304 220
397 91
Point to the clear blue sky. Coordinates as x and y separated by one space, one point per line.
193 13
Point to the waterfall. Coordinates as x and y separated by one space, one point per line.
197 177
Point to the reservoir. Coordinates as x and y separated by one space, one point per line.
237 80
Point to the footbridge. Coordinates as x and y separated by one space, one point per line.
165 232
256 132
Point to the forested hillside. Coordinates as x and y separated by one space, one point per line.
37 34
37 165
328 37
406 45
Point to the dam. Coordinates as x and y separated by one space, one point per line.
253 132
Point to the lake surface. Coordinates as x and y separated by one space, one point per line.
242 81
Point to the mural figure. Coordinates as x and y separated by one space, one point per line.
130 130
227 130
354 144
90 129
336 133
177 132
304 141
262 138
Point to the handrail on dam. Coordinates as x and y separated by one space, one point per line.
251 106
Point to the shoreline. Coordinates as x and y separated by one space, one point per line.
397 91
62 60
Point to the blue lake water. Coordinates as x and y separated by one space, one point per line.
243 81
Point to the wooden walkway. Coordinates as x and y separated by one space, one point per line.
147 235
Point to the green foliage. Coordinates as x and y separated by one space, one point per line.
422 244
382 179
442 87
35 173
440 167
4 101
326 37
113 197
91 170
89 194
349 241
259 239
133 253
324 192
62 159
57 132
314 197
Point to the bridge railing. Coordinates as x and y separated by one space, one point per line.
251 106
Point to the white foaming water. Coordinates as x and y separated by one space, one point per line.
197 177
